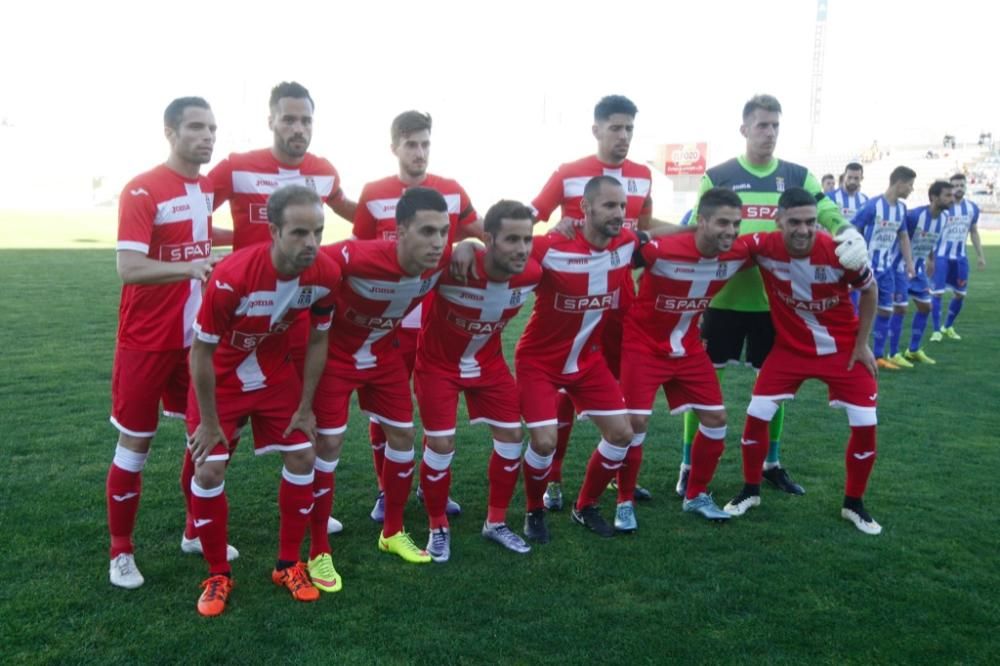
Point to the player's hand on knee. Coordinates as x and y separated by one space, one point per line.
851 249
304 422
204 439
865 357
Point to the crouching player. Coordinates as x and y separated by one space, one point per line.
818 336
240 369
459 351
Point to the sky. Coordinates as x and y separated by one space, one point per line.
511 85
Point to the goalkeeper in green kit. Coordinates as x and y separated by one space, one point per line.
739 315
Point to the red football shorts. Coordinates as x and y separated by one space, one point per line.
383 392
689 382
491 398
269 409
594 391
784 371
406 338
139 381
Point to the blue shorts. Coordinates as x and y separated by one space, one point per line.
886 281
901 289
920 288
951 273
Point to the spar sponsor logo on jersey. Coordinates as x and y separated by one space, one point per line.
588 303
759 211
250 341
665 303
474 326
815 305
186 251
372 322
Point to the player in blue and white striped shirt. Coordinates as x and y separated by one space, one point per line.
882 222
924 226
849 197
951 268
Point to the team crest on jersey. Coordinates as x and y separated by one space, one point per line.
820 274
516 297
779 184
305 298
722 270
616 259
426 285
632 187
311 183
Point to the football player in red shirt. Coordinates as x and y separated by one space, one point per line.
614 123
240 370
375 218
164 256
817 336
459 351
384 280
246 180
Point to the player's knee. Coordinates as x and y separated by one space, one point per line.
923 307
300 461
508 435
400 439
442 445
762 408
639 422
543 441
210 474
620 434
713 419
328 446
134 444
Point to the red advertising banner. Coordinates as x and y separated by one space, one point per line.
686 159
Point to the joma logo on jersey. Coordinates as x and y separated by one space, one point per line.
186 251
565 303
388 235
373 322
818 305
266 182
389 291
260 303
469 296
474 326
759 212
578 261
666 303
180 208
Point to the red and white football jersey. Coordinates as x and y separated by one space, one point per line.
166 217
373 298
249 308
246 180
580 285
375 217
462 333
565 188
810 307
675 289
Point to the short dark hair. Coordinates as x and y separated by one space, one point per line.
291 89
407 123
175 110
505 209
716 198
765 102
938 187
795 197
854 166
612 104
593 186
827 175
415 200
901 173
289 195
958 176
